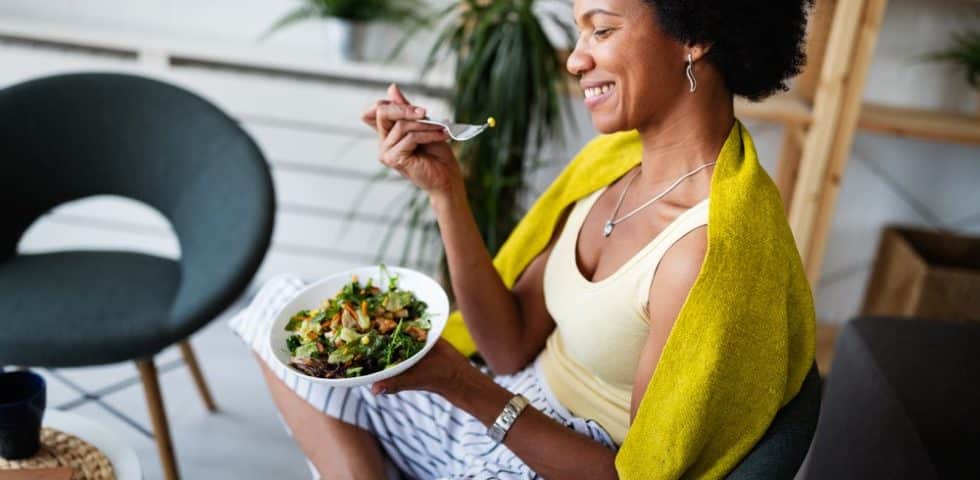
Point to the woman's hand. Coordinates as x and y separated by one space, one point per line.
418 151
548 447
442 370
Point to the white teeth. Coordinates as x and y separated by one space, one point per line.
595 91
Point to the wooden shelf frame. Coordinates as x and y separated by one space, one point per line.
906 122
823 112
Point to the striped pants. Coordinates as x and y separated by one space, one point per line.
422 434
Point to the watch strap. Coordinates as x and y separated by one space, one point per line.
507 417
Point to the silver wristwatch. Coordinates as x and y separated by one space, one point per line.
506 419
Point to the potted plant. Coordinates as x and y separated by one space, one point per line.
964 51
345 19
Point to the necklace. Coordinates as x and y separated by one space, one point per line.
612 222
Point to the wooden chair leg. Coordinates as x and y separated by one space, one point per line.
151 387
202 387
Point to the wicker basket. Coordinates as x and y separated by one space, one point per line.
60 449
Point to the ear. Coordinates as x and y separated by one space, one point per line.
697 51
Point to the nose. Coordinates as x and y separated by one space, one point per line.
580 60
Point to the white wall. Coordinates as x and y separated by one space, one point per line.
213 21
307 127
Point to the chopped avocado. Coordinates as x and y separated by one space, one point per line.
306 351
296 320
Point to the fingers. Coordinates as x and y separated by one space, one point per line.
386 115
439 370
384 387
396 155
403 381
443 346
403 127
395 96
368 117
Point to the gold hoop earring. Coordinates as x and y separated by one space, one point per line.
690 73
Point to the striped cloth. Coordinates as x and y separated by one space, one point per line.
421 433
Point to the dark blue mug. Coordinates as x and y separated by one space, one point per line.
22 401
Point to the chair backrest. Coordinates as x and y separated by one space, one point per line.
76 135
781 450
902 402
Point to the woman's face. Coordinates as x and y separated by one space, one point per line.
632 73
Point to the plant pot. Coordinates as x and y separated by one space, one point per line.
345 38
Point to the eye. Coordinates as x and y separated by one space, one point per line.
601 32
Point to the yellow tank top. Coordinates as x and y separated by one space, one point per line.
590 359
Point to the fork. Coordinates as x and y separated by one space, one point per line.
461 132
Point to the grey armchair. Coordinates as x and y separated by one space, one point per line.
71 136
902 402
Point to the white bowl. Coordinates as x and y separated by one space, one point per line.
424 288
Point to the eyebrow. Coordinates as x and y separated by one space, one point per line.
596 11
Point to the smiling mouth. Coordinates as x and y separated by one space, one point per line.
600 90
598 94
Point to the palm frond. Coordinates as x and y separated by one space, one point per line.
964 51
401 12
298 14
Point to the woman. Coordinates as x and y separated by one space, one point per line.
582 330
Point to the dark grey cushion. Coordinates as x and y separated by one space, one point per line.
80 308
781 450
72 136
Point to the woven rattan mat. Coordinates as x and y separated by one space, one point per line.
60 449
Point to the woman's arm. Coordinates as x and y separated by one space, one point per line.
674 277
508 326
552 450
549 448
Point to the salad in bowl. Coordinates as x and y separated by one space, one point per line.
360 326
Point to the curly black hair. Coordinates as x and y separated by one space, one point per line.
757 45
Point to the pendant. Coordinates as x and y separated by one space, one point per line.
607 230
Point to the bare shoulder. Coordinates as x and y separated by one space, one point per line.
672 281
676 274
682 261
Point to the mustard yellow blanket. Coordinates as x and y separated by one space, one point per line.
744 339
